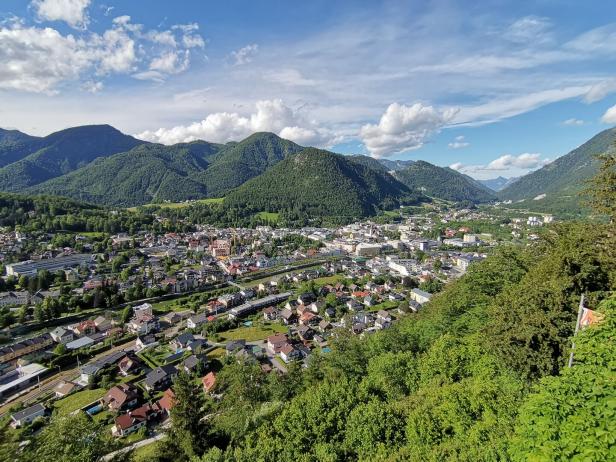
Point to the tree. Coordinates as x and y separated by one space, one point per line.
126 314
602 188
189 430
72 438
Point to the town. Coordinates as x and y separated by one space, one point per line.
103 324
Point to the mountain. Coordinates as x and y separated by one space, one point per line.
395 165
562 179
369 162
61 153
315 182
499 183
15 145
442 183
147 173
156 173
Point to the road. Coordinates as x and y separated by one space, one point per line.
139 444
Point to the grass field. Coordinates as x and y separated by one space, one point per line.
78 400
329 280
252 333
145 453
270 216
179 205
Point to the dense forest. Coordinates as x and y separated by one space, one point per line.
443 183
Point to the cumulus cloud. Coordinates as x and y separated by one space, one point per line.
221 127
73 12
244 55
573 122
610 116
525 161
40 59
511 165
458 143
403 128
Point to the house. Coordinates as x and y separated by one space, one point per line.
196 321
88 373
270 313
160 378
197 345
306 298
27 415
182 341
142 310
276 342
383 320
235 345
143 324
368 300
145 341
420 296
135 419
209 382
329 312
61 335
192 363
289 353
64 389
121 397
129 365
86 327
287 316
316 307
305 332
308 318
82 342
354 305
102 324
324 326
167 401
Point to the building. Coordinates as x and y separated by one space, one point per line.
252 306
365 249
420 296
61 335
25 347
30 268
196 321
160 378
121 397
27 415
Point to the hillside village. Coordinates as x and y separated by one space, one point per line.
105 326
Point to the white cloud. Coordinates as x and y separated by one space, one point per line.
43 59
600 90
523 161
221 127
529 29
458 143
73 12
245 55
573 122
403 128
458 166
609 117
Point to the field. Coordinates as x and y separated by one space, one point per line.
147 452
179 205
252 333
269 216
78 400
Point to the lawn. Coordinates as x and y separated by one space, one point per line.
269 216
78 400
329 280
253 332
388 305
217 353
145 453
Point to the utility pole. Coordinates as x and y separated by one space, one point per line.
577 328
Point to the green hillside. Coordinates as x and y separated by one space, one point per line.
63 152
236 163
319 183
15 145
443 183
158 173
564 178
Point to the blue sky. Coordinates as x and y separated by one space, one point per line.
494 89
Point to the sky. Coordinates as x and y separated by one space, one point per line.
491 88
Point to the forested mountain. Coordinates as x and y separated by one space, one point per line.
564 177
395 165
156 173
442 183
236 163
497 184
368 161
319 183
61 153
147 173
15 145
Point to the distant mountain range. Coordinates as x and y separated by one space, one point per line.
499 183
561 181
101 165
